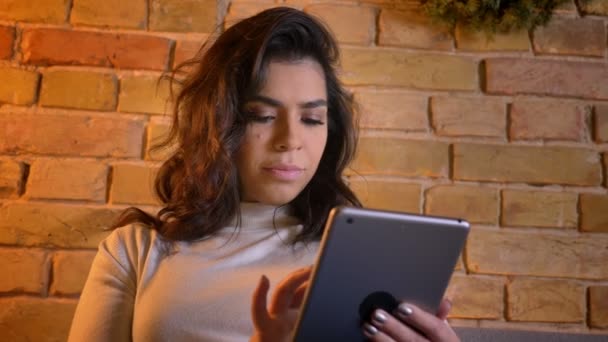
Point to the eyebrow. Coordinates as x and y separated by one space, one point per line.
275 103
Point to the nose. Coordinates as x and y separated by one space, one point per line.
287 135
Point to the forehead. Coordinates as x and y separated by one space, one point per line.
300 80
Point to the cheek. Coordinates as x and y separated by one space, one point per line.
318 145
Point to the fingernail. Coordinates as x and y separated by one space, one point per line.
370 329
379 317
449 303
404 309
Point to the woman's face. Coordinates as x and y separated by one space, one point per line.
286 134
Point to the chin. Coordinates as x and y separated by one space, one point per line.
277 197
277 200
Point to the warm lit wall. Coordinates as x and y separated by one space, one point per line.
511 134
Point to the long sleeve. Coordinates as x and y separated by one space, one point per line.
105 309
144 288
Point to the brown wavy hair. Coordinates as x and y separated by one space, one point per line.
198 184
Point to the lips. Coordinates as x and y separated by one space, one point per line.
285 172
284 167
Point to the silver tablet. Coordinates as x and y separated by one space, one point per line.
374 259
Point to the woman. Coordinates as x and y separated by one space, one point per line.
264 131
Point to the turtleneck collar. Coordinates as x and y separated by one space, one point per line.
256 215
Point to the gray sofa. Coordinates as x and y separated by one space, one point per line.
504 335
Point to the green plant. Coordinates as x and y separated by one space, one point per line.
491 16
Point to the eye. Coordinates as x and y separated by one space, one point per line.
313 119
261 118
310 121
259 115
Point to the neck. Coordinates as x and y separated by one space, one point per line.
255 215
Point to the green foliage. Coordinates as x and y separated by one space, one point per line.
491 16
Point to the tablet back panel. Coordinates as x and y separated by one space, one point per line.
365 251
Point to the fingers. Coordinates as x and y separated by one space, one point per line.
434 328
285 291
444 309
374 334
259 313
298 296
385 327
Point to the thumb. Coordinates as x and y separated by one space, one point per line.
444 309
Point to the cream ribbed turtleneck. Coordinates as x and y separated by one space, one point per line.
202 292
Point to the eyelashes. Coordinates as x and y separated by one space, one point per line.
264 118
312 122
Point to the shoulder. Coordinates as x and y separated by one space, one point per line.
130 237
130 245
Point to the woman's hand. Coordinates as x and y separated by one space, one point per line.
275 323
410 323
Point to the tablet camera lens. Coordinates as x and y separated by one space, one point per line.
376 300
349 220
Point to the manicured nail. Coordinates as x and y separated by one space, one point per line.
370 329
379 317
404 309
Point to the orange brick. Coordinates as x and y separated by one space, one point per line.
388 195
392 110
18 86
529 164
605 159
7 36
594 216
412 29
393 4
68 179
36 319
483 117
400 68
95 90
43 46
23 270
183 15
537 254
185 50
601 123
480 41
48 11
548 119
573 328
539 209
567 7
571 36
357 29
398 157
598 306
539 300
599 7
157 131
474 204
58 225
546 77
144 94
133 184
88 135
476 297
11 178
70 270
113 13
241 10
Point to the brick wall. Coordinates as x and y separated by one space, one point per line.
510 133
